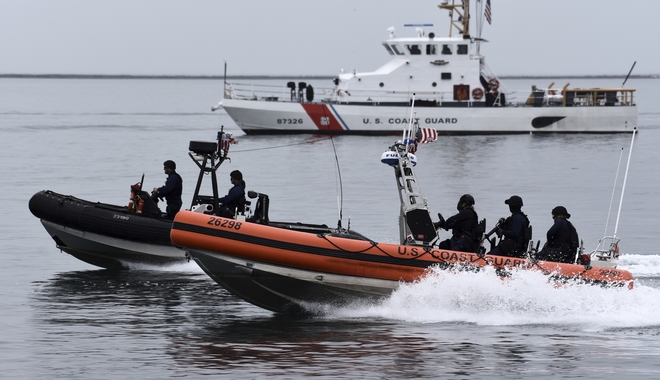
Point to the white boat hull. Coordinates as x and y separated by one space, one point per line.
265 117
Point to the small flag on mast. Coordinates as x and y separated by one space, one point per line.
428 135
424 136
226 142
487 12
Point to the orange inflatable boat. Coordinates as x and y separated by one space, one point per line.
289 266
282 268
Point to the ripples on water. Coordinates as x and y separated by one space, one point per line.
181 322
64 319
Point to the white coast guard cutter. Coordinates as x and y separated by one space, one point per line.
454 86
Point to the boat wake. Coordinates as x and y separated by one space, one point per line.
524 298
641 266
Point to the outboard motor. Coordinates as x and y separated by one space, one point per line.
301 86
292 86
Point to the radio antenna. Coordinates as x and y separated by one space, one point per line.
616 180
625 178
631 69
340 196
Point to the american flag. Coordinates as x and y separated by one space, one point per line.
227 140
487 12
424 136
428 135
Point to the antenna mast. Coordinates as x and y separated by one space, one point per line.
460 15
625 178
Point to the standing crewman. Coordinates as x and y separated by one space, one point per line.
172 189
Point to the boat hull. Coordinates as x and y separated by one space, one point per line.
286 289
264 117
105 235
283 270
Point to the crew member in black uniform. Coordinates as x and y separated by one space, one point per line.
463 226
231 201
560 246
172 189
512 231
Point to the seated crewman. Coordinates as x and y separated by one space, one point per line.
463 226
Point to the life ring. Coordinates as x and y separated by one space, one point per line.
477 93
494 84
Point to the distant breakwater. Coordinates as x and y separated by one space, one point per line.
264 77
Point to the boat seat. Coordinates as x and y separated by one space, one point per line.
610 99
479 234
243 206
527 238
260 212
569 97
538 98
421 226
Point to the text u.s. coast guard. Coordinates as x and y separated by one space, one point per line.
403 120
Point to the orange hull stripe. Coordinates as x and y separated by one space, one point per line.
348 256
322 117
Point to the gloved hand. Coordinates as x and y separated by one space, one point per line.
501 221
498 232
440 223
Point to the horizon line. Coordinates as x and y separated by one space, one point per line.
253 76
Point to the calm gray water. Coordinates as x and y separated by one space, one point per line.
63 319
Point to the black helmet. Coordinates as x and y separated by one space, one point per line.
560 210
514 201
466 198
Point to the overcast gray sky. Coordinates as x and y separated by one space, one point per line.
311 37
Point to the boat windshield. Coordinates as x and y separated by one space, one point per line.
397 50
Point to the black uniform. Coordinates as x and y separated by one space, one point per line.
513 241
558 247
463 227
172 193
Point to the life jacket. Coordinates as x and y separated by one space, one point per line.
473 232
178 189
561 238
466 227
573 240
566 242
524 235
234 204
